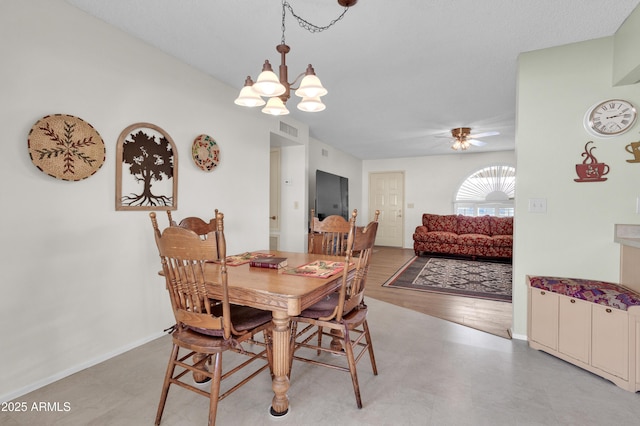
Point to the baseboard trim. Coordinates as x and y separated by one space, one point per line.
65 373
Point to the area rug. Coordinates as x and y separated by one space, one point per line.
469 278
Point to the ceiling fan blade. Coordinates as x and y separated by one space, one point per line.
476 142
483 135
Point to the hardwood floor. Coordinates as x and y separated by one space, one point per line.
485 315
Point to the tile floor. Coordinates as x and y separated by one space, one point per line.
431 372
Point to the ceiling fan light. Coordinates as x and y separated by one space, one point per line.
311 104
248 97
310 86
268 83
275 106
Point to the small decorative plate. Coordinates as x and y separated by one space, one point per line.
66 147
205 152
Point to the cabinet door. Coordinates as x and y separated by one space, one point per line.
574 328
610 341
544 318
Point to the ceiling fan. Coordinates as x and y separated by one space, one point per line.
462 138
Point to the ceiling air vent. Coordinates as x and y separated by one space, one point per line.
290 130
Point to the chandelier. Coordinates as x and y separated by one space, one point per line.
278 89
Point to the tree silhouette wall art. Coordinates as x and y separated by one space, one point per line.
147 169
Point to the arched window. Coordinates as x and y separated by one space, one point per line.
488 191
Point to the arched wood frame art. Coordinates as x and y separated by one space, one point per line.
150 162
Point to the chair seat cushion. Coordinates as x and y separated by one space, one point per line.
323 308
190 338
242 317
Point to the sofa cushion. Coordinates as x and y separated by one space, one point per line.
437 222
439 237
479 240
474 225
502 240
501 225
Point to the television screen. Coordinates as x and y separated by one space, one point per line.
332 195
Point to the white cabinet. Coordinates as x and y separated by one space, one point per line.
543 311
560 323
600 339
574 328
610 341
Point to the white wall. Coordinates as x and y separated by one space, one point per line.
430 182
79 280
575 237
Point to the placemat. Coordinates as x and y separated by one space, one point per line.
317 269
241 259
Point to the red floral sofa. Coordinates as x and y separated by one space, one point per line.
481 236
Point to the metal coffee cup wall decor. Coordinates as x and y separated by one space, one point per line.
66 147
634 149
591 170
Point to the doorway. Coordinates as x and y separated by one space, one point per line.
386 194
274 200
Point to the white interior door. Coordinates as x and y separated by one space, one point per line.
274 200
386 193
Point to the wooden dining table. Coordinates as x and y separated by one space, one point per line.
285 295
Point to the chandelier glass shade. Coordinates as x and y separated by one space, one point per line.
275 106
313 104
248 96
268 83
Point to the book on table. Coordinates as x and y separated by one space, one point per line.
269 262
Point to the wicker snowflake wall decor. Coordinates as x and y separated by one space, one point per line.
66 147
146 169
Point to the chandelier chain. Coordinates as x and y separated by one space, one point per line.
312 28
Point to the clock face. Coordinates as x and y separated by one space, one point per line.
610 118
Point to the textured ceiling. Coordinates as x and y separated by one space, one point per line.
399 73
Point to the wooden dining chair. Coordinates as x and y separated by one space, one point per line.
196 224
328 236
341 315
205 330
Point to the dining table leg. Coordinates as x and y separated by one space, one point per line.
280 339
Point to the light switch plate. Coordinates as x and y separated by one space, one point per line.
537 205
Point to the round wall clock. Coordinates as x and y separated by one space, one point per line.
205 153
609 118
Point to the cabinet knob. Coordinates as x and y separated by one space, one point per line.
543 293
573 300
608 310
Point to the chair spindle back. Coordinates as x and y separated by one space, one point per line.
361 240
333 231
185 256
